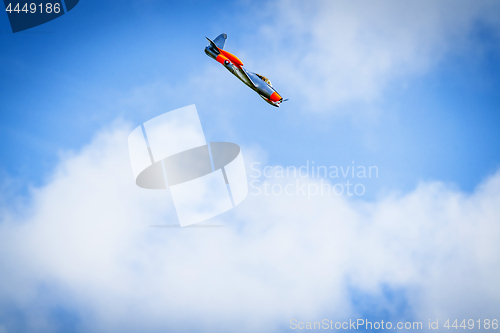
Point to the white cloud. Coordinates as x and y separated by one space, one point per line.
329 53
84 243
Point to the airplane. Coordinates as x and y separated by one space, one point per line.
260 84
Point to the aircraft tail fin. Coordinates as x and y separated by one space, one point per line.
213 46
220 41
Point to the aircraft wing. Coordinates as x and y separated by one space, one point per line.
248 76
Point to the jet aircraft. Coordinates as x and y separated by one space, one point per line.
260 84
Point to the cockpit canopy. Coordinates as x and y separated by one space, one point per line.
265 79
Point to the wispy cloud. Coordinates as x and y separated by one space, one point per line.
332 53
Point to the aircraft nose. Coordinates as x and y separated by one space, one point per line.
275 97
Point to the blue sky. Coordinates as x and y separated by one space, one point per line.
63 76
413 91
